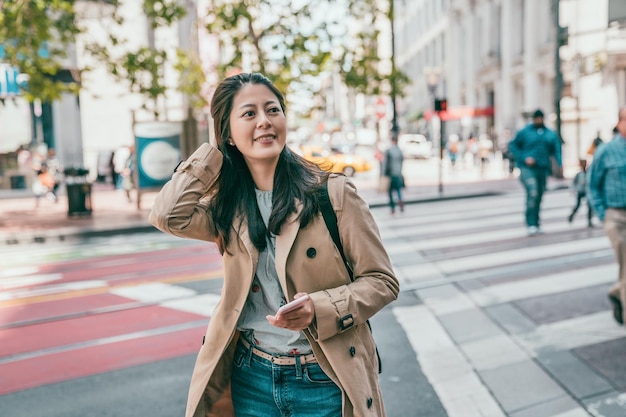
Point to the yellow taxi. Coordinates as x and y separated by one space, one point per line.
346 163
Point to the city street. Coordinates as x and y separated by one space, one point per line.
489 322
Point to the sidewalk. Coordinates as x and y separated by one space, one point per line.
22 222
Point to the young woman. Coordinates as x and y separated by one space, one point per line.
260 203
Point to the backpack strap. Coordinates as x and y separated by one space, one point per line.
330 218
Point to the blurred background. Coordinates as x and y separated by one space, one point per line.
100 100
88 78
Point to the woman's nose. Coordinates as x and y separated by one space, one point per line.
264 121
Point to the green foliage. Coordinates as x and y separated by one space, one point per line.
163 12
35 35
294 42
142 68
192 78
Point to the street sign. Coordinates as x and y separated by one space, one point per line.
381 108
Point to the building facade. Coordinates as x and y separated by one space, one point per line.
494 62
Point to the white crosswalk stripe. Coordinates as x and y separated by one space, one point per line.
462 258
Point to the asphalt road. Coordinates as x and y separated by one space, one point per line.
485 321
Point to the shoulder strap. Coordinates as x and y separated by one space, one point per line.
331 224
330 219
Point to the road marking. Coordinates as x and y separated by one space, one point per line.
16 281
457 385
27 299
103 341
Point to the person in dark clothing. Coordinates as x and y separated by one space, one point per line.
392 168
580 187
532 148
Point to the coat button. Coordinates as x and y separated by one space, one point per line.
352 351
370 401
311 252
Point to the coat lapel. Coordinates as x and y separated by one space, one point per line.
244 236
284 241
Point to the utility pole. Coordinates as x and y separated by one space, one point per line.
394 121
561 33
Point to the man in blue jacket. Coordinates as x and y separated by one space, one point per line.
532 148
607 194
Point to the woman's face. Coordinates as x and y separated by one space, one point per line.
258 126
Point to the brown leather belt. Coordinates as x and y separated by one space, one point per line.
279 359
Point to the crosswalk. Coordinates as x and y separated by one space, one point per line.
495 323
506 324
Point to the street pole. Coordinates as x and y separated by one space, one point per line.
394 120
558 74
442 132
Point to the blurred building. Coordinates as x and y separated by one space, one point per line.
494 62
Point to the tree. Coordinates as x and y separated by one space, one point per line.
293 42
144 68
37 35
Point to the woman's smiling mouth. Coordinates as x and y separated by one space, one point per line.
265 138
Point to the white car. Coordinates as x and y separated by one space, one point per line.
415 146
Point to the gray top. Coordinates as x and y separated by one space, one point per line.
266 296
392 165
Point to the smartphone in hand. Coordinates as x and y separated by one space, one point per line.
292 305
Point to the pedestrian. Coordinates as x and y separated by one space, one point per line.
579 186
532 148
120 161
55 172
260 202
127 173
607 192
595 144
392 168
452 146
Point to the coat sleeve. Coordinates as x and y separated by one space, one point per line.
595 184
516 148
180 208
374 286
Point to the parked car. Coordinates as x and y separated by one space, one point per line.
346 163
415 146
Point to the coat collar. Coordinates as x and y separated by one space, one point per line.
241 228
284 241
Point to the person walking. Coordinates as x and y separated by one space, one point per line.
392 168
260 203
579 185
532 148
607 193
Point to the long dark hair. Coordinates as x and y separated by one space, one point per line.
234 191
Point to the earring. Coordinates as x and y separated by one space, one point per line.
231 143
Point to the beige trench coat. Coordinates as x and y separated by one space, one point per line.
306 261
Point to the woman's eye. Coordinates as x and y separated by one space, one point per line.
249 113
274 110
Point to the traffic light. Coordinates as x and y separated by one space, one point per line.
563 35
441 104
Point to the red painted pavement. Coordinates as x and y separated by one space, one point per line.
64 332
46 309
31 373
120 269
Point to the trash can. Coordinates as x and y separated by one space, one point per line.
18 182
78 191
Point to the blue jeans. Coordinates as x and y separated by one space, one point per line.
263 389
534 181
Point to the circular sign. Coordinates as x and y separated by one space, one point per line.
159 159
